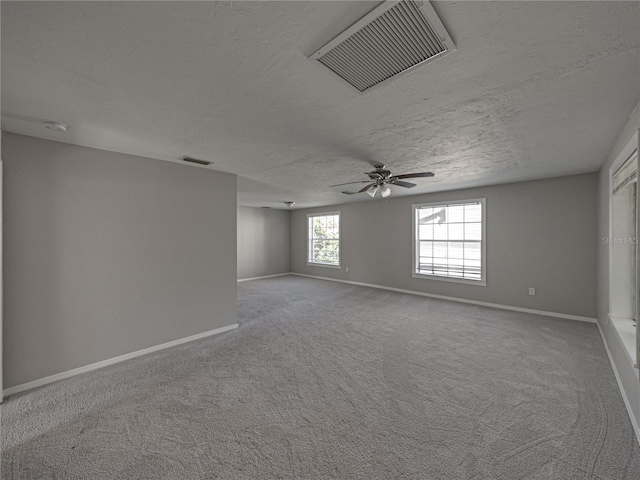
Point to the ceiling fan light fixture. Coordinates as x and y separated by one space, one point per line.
381 179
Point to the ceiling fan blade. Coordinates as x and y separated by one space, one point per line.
349 183
349 193
365 188
415 175
400 183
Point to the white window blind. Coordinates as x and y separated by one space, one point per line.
626 174
449 240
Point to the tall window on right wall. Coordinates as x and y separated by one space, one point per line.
623 251
449 241
623 240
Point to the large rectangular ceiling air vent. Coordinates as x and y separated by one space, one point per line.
392 40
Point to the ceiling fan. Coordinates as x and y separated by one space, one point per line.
381 178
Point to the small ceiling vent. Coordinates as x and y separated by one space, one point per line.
196 161
392 40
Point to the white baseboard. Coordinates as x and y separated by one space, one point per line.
626 332
266 276
634 422
461 300
110 361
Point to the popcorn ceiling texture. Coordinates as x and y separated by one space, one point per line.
535 90
332 381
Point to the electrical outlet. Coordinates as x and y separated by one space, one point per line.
346 269
532 291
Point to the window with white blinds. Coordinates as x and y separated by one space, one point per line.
449 241
626 174
623 241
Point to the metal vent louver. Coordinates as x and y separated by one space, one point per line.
392 40
196 161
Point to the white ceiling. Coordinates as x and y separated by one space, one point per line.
535 90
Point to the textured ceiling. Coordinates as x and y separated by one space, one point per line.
535 90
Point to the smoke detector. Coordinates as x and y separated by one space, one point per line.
390 41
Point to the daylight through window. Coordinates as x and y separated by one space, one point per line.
324 239
449 240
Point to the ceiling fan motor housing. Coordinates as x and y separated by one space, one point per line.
380 173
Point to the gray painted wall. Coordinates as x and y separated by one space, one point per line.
106 254
540 234
264 238
627 376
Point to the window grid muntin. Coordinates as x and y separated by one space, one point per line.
433 255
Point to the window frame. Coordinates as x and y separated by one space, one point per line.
621 325
319 264
482 282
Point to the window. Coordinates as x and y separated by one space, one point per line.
449 241
622 242
324 239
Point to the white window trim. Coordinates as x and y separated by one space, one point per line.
483 246
325 265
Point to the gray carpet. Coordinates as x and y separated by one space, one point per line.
330 381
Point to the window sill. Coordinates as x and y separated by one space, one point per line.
326 265
424 276
627 333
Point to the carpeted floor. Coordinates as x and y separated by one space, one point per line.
330 381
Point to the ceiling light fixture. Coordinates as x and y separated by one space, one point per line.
56 126
290 204
381 179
